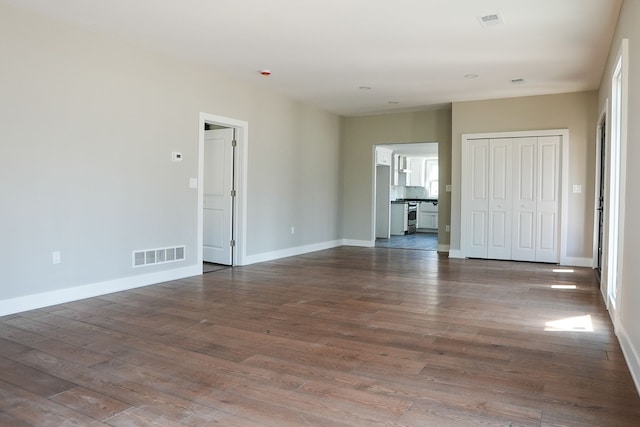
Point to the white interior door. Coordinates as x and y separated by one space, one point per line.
217 198
523 247
548 199
478 186
500 199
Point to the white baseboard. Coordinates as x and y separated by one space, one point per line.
456 253
46 299
361 243
568 261
283 253
443 248
631 355
577 262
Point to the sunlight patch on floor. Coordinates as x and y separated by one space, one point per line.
570 324
563 270
563 286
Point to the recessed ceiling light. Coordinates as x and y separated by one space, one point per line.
518 81
471 76
490 20
365 87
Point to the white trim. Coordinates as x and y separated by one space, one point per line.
564 185
374 196
359 243
46 299
456 253
284 253
443 248
631 355
240 176
578 262
616 190
603 117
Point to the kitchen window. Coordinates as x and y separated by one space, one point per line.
431 177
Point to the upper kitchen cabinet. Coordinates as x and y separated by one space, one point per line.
416 166
400 170
383 156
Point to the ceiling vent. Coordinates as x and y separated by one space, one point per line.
490 20
518 81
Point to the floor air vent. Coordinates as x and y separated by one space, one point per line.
158 256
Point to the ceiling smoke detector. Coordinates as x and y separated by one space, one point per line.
490 20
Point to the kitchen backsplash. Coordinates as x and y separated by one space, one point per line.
408 192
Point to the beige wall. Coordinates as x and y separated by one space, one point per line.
88 127
575 111
627 318
360 135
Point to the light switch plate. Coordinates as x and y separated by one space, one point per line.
577 188
447 188
193 182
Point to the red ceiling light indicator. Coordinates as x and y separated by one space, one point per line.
265 73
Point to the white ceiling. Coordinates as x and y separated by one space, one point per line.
413 52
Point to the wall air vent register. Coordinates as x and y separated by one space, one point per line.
158 256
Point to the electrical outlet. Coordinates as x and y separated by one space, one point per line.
447 228
293 230
55 257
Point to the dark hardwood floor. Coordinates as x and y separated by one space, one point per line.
343 337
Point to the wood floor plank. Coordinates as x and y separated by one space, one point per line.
95 405
35 381
341 337
35 410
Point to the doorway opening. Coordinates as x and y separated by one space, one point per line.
222 159
406 187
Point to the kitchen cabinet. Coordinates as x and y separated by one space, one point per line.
428 216
383 156
428 221
400 170
416 166
399 218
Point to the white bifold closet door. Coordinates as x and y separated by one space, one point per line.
513 198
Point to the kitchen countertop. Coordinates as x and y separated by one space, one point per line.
434 201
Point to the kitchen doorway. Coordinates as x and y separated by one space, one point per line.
410 181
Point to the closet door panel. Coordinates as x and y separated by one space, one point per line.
524 199
548 199
500 198
478 185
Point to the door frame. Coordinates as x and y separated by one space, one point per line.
239 220
600 178
564 184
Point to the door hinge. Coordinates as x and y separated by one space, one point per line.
234 143
232 243
233 193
